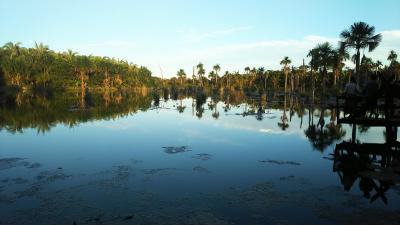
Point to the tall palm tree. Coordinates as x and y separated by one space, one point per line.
216 68
322 58
228 78
339 56
181 75
43 60
13 48
247 69
378 65
200 72
13 63
392 57
359 36
285 62
212 75
314 65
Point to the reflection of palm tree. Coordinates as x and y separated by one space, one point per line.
227 106
283 124
215 113
181 108
213 106
324 136
260 112
200 101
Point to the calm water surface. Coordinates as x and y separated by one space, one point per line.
205 165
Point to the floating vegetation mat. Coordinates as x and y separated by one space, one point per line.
175 149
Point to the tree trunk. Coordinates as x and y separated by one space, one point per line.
82 76
286 80
358 67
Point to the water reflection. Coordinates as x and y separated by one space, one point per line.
264 155
376 166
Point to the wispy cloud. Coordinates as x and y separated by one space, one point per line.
113 44
390 35
193 35
111 48
267 53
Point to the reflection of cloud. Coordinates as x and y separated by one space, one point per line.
115 125
197 135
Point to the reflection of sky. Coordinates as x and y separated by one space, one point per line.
236 144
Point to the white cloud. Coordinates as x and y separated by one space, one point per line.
111 48
192 35
113 44
391 35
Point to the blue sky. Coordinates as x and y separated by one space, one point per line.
178 34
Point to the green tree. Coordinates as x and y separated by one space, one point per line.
359 36
285 62
392 57
338 58
216 68
200 72
43 60
181 75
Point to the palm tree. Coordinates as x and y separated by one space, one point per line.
105 66
200 72
366 65
181 75
322 58
253 73
303 71
378 65
285 62
339 56
314 65
212 75
359 36
216 68
13 62
247 69
43 60
392 57
228 78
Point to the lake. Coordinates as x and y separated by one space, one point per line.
144 159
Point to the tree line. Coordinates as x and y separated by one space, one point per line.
326 68
41 67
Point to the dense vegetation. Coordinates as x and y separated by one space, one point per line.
41 68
